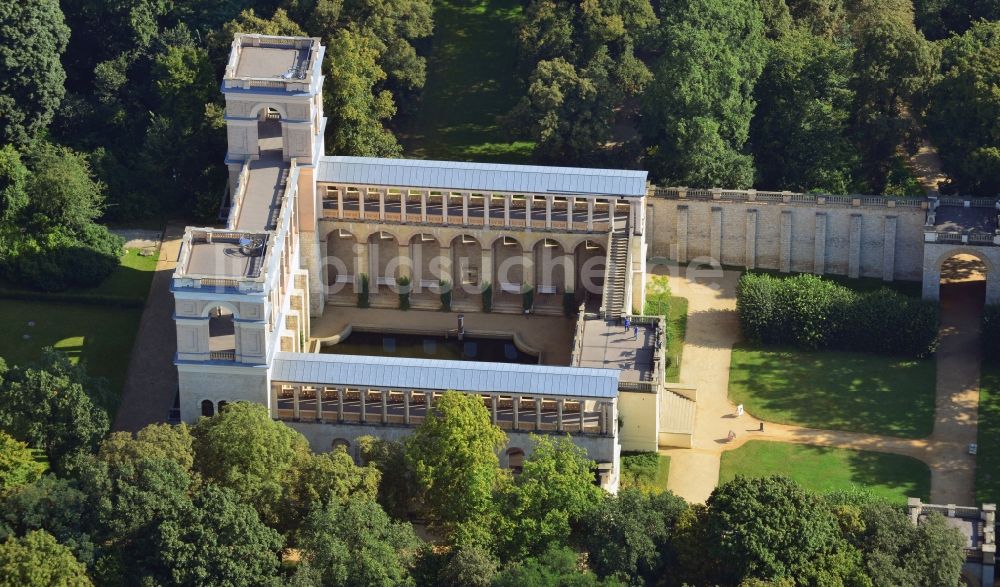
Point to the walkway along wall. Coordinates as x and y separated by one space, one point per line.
842 235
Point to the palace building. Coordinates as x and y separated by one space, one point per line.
346 293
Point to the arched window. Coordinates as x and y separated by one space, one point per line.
515 460
341 443
222 405
207 408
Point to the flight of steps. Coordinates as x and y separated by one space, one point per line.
614 288
677 415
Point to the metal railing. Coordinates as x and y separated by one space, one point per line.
681 193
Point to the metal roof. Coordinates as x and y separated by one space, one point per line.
486 177
404 373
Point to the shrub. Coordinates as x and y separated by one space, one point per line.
61 259
527 297
404 292
488 297
809 312
445 295
363 301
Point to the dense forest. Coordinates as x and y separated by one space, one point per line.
110 111
239 499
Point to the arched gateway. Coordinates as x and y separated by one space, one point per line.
945 263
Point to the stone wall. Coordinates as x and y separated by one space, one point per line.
862 237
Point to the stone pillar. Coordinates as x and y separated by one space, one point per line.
750 252
423 205
361 202
682 234
486 270
381 205
429 400
446 267
340 404
296 409
506 210
406 406
444 207
569 272
602 417
538 413
548 211
560 405
486 209
363 394
340 202
819 244
570 206
889 249
361 265
405 261
785 247
493 407
319 403
385 405
590 214
612 208
516 403
403 195
274 400
527 211
715 246
465 208
854 248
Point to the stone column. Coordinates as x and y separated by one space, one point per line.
750 252
406 406
612 207
590 214
682 234
444 207
889 249
527 211
361 265
405 261
381 204
854 248
715 244
602 417
424 194
361 202
569 272
506 210
548 211
516 403
465 208
538 413
403 195
560 405
429 400
446 266
296 409
819 244
785 248
340 202
486 209
319 403
385 405
363 394
493 407
486 270
340 403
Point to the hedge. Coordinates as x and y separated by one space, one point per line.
809 312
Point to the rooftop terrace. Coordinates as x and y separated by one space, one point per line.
273 62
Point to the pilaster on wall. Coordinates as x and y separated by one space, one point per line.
854 248
715 246
889 249
785 254
682 234
819 247
750 254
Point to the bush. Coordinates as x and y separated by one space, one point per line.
527 298
404 293
990 334
445 295
809 312
61 259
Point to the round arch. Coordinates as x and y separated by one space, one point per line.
468 239
515 459
970 251
207 408
255 111
220 304
341 443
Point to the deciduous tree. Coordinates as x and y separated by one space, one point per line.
37 560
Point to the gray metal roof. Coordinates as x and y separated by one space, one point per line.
403 373
486 177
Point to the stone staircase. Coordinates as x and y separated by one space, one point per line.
616 277
677 416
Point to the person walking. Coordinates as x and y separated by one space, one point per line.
627 322
635 333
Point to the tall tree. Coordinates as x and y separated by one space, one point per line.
54 505
321 478
696 113
963 114
37 560
554 491
243 449
18 465
799 133
454 455
33 35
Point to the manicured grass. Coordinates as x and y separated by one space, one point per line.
835 390
988 438
470 82
824 469
102 336
659 302
131 279
647 471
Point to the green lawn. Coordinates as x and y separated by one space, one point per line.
824 469
101 336
659 302
988 454
835 390
470 82
647 471
131 279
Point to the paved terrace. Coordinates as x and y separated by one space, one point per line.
265 184
961 219
607 344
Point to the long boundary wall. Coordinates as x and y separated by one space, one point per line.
841 235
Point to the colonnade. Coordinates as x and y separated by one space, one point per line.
340 404
507 210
